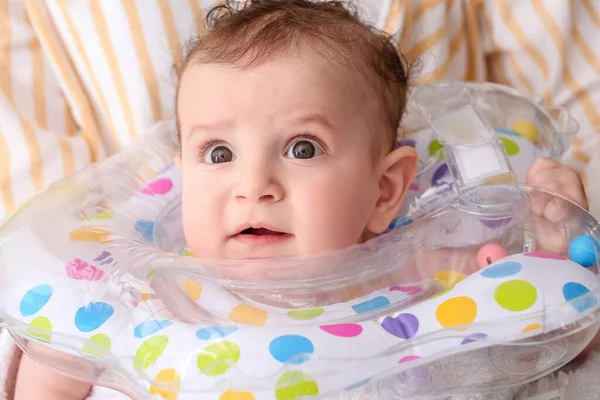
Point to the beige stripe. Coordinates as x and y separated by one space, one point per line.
581 157
424 7
170 28
516 67
70 124
111 59
391 22
71 83
39 92
407 25
442 70
589 55
197 13
8 200
473 41
35 154
68 161
427 44
62 4
525 43
141 49
495 62
580 93
577 142
592 12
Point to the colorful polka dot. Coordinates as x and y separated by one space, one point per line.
40 328
149 351
192 288
88 234
343 330
357 385
505 131
502 270
246 314
231 395
80 270
495 223
583 251
434 148
406 142
449 278
305 315
532 327
187 253
516 295
526 129
146 229
103 215
104 258
459 310
215 332
474 337
159 186
35 299
371 305
294 349
511 147
573 290
99 339
408 359
404 326
167 384
92 316
218 358
295 385
400 222
148 328
409 290
440 173
548 256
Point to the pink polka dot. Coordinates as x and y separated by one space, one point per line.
408 358
82 271
414 186
343 330
159 186
545 255
409 290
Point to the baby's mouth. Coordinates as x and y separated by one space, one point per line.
260 236
260 232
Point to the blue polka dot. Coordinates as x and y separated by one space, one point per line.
400 222
357 384
573 290
92 316
146 229
35 299
505 131
370 305
583 251
148 328
215 332
502 270
291 348
474 337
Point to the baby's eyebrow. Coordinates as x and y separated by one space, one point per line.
316 118
199 129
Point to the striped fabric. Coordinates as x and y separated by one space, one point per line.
80 79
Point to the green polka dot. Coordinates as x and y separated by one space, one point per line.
295 385
150 351
217 358
101 339
515 295
304 315
434 147
40 328
511 147
102 215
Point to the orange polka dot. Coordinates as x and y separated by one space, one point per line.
87 234
460 310
231 395
192 288
532 327
145 294
169 384
449 278
248 315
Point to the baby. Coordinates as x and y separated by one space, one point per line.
287 114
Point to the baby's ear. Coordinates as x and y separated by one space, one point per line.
397 172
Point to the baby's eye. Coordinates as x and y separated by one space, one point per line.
218 154
304 149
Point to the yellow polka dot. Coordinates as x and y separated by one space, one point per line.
231 395
527 130
456 311
187 253
145 294
248 315
532 327
168 380
87 234
449 278
192 288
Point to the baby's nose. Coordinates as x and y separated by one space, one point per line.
261 187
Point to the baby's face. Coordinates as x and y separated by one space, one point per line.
277 160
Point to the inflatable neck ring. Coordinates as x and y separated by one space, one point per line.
470 290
